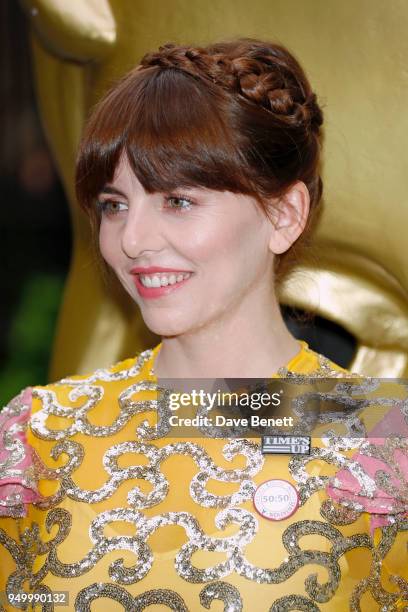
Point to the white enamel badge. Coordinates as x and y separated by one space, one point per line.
276 499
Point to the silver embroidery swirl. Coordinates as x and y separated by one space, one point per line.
337 514
93 394
210 471
104 545
152 474
310 484
137 544
166 597
293 602
106 374
386 453
11 443
223 591
15 451
372 583
81 424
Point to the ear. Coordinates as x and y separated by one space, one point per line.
288 217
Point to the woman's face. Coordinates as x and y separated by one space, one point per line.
213 247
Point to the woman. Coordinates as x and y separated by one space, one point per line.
199 171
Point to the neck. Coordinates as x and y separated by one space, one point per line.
251 341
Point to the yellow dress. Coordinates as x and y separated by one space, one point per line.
125 518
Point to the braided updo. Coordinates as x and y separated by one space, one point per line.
234 116
265 74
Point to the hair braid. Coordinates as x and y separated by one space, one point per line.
261 76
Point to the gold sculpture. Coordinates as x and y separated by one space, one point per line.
355 55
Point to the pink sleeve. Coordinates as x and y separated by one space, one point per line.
18 483
379 484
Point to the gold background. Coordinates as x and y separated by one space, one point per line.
355 53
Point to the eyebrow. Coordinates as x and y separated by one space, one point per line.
112 190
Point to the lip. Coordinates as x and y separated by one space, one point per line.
151 293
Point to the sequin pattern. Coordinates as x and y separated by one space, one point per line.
148 440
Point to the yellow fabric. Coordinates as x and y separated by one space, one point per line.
265 549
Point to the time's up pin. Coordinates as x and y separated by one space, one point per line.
277 499
285 445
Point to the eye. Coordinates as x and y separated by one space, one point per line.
179 203
110 208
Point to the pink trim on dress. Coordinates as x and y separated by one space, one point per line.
18 484
382 505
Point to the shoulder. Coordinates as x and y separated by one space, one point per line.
131 368
126 368
311 363
87 390
18 485
28 411
24 404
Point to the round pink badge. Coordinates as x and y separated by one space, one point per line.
276 499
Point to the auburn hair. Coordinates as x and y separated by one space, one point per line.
235 116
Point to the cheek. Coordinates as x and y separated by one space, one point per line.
215 241
244 255
229 255
107 243
234 244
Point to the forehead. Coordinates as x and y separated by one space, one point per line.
124 175
170 134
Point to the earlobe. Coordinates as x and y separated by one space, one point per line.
288 218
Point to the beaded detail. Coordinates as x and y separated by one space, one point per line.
72 534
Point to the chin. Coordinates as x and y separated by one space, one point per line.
165 327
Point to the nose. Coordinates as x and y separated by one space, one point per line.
141 232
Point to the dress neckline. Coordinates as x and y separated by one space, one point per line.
291 365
